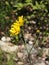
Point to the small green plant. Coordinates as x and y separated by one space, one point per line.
16 28
3 58
10 61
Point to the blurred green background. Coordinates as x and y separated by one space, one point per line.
32 10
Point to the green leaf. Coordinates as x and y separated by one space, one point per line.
18 5
17 38
28 1
7 3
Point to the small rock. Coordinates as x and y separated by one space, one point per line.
32 22
47 62
27 36
30 42
3 38
31 38
20 63
23 46
20 55
29 28
20 47
6 39
8 48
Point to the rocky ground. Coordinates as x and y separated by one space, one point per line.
26 54
34 52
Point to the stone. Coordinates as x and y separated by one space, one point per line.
31 38
30 42
20 63
32 22
20 55
27 36
47 62
21 47
29 28
9 49
3 39
6 47
6 39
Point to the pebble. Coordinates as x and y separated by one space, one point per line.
20 55
20 63
47 62
33 22
27 36
30 42
6 39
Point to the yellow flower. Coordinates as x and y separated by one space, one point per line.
15 24
38 31
15 27
12 30
21 21
15 30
